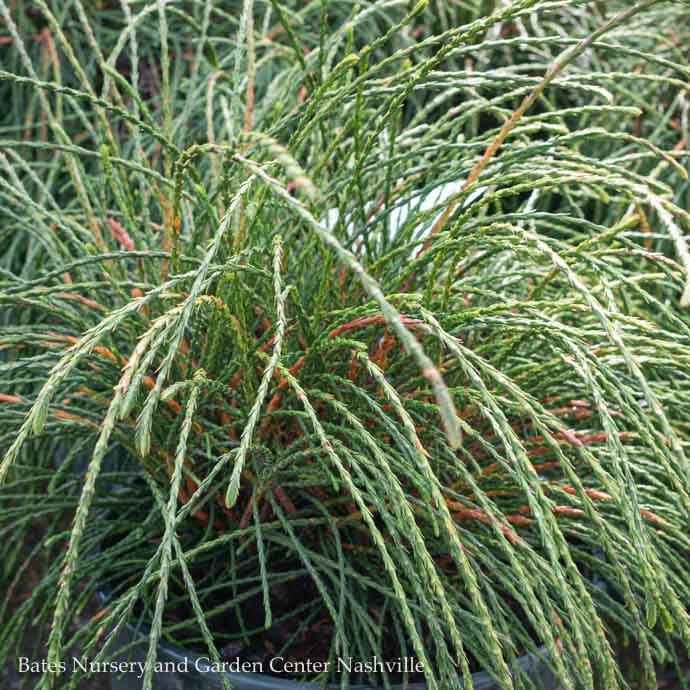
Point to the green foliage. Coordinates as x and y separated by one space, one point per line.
382 302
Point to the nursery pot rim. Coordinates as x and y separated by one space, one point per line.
530 661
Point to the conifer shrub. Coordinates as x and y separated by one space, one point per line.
337 330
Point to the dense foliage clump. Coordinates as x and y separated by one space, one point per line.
335 330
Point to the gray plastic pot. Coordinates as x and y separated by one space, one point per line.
417 201
197 678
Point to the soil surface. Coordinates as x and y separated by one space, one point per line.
11 678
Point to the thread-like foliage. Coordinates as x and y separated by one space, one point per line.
349 330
